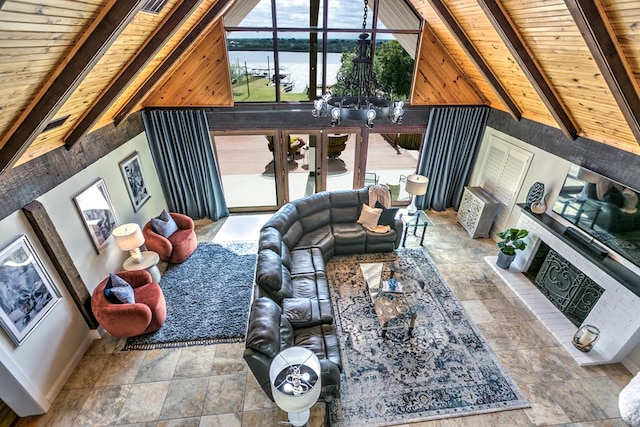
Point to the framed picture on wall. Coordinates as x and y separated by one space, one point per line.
96 210
27 293
134 180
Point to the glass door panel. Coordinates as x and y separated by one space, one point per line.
340 159
301 163
390 158
248 169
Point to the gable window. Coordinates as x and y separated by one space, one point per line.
288 51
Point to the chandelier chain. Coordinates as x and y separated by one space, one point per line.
365 14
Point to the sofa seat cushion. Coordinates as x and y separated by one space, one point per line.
306 312
322 341
314 286
322 239
389 236
306 260
350 233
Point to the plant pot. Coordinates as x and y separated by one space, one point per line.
504 260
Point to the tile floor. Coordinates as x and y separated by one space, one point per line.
211 385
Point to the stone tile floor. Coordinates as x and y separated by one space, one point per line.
211 385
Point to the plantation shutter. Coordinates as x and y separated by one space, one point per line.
503 172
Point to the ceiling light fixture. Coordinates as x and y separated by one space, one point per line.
360 102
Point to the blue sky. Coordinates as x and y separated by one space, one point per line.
295 13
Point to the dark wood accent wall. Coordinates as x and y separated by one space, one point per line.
619 165
25 183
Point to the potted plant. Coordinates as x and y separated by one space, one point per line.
511 241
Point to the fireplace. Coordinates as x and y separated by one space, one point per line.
567 287
595 290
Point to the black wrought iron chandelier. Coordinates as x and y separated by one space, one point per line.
361 102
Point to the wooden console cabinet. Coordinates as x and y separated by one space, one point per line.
477 211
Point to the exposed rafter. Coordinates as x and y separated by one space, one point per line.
69 76
592 22
450 21
505 28
171 59
126 76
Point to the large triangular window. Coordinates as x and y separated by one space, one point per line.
302 39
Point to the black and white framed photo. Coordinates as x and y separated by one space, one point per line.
134 180
98 215
27 293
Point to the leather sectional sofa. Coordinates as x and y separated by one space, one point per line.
291 303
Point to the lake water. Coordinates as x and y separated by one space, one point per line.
295 63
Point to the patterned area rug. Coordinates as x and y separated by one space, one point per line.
444 369
208 298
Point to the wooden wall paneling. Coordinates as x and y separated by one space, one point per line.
27 74
438 79
54 247
202 79
151 47
487 41
520 52
108 66
65 80
185 44
472 53
594 26
550 33
154 63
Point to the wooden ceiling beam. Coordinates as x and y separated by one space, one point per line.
171 59
458 33
512 39
67 79
592 22
156 42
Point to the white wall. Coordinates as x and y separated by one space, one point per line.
32 375
550 170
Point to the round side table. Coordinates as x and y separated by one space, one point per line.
149 261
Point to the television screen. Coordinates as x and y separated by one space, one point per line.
605 209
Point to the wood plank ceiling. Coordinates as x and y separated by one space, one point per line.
570 64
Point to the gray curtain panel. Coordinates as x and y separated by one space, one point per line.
187 167
451 141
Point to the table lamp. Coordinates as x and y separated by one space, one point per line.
294 375
416 186
129 237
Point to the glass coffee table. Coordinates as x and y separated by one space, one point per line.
396 307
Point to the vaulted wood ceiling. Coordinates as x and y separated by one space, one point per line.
570 64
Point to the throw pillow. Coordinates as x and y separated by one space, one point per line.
118 290
388 216
164 224
369 216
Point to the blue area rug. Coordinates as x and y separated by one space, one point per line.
208 298
445 369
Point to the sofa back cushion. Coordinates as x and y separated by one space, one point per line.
346 204
286 221
269 270
314 211
263 329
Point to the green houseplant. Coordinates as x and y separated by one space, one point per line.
512 240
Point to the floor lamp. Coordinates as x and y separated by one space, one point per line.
294 375
416 186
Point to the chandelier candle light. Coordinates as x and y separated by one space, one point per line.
295 382
129 237
361 102
416 186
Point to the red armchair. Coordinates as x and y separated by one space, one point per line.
146 315
177 247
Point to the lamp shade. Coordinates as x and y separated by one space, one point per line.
416 184
294 375
128 236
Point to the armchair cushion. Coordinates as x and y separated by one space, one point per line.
118 290
164 224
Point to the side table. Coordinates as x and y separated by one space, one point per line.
419 220
149 262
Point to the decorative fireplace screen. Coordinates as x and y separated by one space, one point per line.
568 288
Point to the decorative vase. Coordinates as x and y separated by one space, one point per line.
535 194
540 206
504 260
